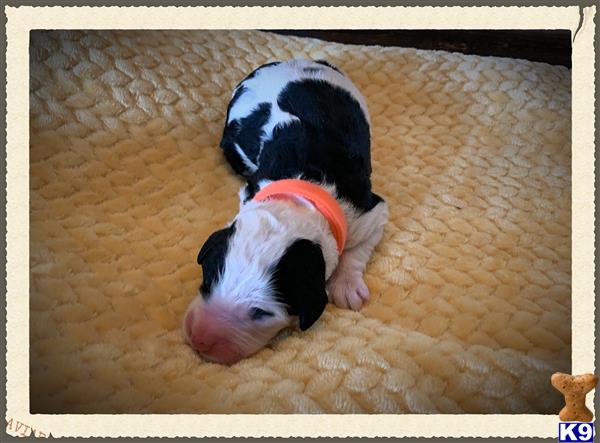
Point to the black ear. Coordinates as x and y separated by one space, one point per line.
299 279
217 240
212 257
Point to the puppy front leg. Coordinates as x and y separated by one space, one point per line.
346 287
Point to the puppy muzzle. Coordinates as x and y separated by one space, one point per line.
212 336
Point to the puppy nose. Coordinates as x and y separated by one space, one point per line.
201 331
203 344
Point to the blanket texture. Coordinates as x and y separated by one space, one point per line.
470 286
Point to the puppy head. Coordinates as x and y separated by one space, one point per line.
257 276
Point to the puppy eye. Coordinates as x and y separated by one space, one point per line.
257 313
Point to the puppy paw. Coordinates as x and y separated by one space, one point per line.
347 291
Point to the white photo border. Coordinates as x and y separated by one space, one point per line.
22 19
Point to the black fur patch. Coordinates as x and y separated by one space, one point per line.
212 257
286 154
247 133
375 200
326 63
251 130
299 281
233 157
330 142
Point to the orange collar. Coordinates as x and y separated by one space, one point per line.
321 200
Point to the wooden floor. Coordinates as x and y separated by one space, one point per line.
549 46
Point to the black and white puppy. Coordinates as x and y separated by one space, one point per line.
278 259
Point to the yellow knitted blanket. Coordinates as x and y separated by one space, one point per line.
470 286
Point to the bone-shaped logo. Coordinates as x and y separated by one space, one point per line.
574 388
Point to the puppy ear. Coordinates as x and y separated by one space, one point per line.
215 242
212 258
312 311
299 279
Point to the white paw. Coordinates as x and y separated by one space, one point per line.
347 290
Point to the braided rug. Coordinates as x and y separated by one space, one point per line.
470 286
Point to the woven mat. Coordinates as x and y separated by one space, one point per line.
470 307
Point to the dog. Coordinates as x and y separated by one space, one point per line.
298 131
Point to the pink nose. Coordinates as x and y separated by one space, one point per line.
202 332
208 334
